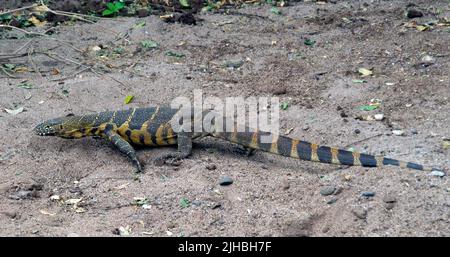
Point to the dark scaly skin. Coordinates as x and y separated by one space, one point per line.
151 127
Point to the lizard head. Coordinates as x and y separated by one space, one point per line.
66 127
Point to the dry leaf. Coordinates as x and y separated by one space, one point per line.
73 201
80 210
55 197
446 144
41 9
121 186
15 112
55 71
36 22
365 72
421 27
47 213
21 69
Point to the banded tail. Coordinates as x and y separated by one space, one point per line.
303 150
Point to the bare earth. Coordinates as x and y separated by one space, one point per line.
271 195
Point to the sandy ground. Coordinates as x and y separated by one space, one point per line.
57 187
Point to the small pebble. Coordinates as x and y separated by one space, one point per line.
216 205
427 59
11 215
398 132
211 166
306 127
328 190
142 13
437 173
338 190
332 200
413 13
285 185
390 206
368 194
360 212
196 203
22 194
279 91
414 131
379 116
389 199
357 131
226 181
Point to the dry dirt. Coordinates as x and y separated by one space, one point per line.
271 195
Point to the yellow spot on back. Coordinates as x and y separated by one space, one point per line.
254 142
314 156
160 135
402 164
134 136
334 156
294 151
77 134
379 160
356 161
274 145
170 135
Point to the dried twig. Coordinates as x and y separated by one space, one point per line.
22 47
41 34
362 140
35 67
71 75
20 9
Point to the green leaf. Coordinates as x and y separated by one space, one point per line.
309 42
173 54
139 25
107 12
284 105
275 10
184 3
184 202
359 81
119 5
110 6
446 144
65 92
118 50
5 17
25 85
149 44
368 107
128 99
9 66
139 201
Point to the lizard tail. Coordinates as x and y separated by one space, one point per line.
303 150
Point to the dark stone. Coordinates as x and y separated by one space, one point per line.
413 13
